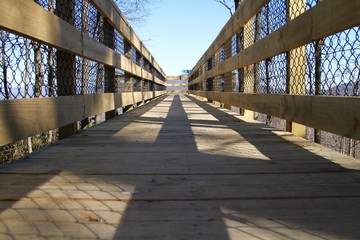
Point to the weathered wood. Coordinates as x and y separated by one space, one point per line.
332 114
335 16
27 117
25 18
180 168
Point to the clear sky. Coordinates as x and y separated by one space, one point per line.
178 32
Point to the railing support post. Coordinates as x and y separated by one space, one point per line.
249 72
227 77
296 66
129 80
109 40
65 73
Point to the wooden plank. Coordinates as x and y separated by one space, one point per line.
22 118
242 15
176 84
179 77
24 18
335 15
333 114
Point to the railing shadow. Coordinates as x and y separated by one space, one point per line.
246 199
179 168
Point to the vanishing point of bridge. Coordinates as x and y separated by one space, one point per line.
179 164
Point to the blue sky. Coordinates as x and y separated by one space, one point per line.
178 32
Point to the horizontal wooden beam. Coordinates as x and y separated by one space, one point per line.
108 9
26 18
339 115
178 77
242 15
335 15
176 84
22 118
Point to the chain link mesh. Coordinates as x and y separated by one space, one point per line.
30 69
327 67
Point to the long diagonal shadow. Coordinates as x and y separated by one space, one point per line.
179 168
205 191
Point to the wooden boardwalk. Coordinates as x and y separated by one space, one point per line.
180 168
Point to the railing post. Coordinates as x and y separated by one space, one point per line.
209 82
85 63
65 65
109 41
228 76
129 80
249 73
296 66
142 82
100 67
202 85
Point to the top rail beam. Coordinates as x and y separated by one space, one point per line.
26 18
335 15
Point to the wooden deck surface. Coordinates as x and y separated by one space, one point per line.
180 168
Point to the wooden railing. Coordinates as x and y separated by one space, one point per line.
335 114
21 118
177 84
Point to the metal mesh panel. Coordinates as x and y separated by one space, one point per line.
30 69
333 64
272 75
271 17
328 66
119 43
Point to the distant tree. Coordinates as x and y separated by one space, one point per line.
230 5
136 11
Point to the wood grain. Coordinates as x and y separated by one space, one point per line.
27 117
333 114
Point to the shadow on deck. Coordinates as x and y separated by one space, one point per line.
179 168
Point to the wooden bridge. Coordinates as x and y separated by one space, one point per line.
175 165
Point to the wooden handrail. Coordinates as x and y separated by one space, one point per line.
26 18
21 118
328 113
335 16
338 115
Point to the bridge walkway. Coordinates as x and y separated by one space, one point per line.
181 168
